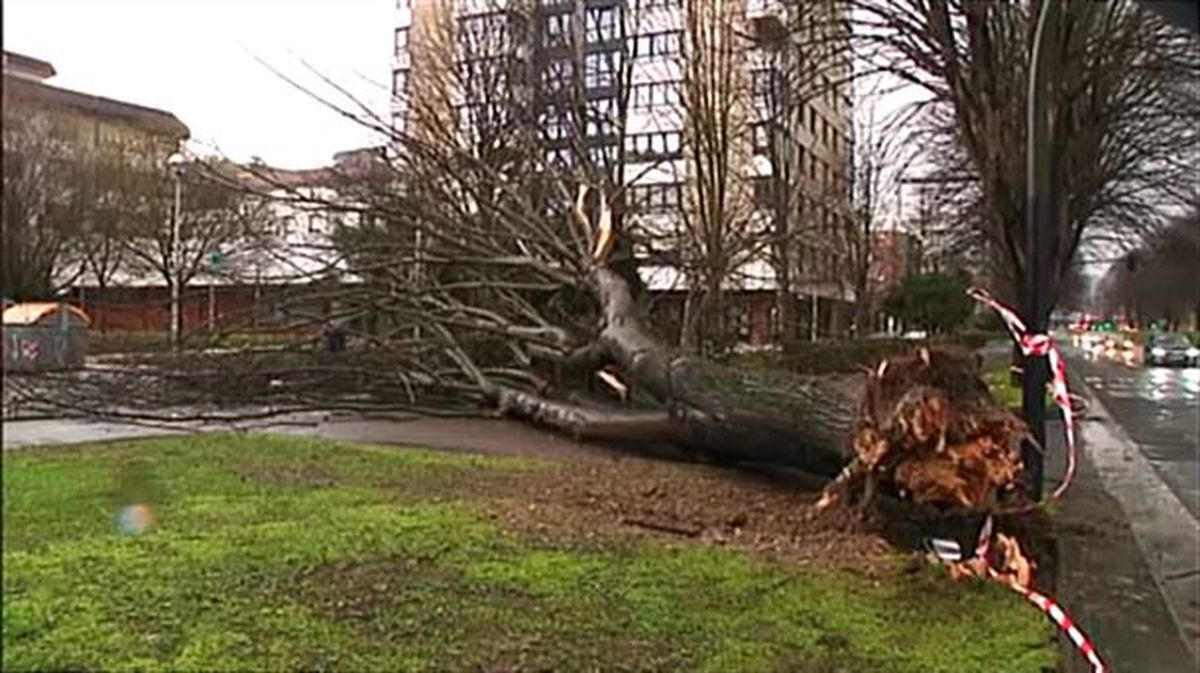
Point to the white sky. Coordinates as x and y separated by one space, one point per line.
195 58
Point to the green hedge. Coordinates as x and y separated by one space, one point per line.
853 354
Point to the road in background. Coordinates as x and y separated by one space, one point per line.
1159 408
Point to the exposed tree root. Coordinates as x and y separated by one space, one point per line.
929 430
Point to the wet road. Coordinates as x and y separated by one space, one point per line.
1159 408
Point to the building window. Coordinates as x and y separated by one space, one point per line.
653 146
665 43
558 29
483 29
762 138
600 126
643 96
601 24
557 127
643 5
600 70
655 197
604 109
401 40
603 155
761 84
764 192
558 75
602 117
400 83
559 158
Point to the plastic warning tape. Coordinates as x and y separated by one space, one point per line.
948 552
1041 345
1061 619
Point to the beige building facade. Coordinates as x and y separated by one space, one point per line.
665 85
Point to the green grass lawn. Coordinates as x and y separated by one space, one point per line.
999 381
279 553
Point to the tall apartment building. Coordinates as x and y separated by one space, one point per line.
616 81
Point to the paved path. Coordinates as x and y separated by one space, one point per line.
36 432
486 435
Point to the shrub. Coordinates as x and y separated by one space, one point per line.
935 302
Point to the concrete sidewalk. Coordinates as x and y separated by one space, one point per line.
1127 569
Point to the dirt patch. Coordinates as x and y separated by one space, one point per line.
594 493
290 475
766 514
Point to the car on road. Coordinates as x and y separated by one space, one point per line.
1171 348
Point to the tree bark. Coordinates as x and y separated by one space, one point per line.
731 414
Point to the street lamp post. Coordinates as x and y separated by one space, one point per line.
175 163
1041 232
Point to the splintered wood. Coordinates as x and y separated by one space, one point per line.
1005 562
929 430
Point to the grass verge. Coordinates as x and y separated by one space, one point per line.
999 381
284 553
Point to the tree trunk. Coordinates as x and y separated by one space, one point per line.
786 306
732 414
926 427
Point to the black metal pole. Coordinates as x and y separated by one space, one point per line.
1040 230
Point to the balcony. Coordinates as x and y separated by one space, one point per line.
768 18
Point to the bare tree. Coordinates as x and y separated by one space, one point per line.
43 199
216 214
1123 107
718 233
121 178
499 282
878 165
1159 280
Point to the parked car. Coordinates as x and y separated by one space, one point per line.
1171 348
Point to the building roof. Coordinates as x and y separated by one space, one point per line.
22 65
349 166
26 90
30 313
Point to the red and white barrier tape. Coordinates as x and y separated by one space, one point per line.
947 551
1039 345
1062 620
1036 345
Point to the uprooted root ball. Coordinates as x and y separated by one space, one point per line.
929 429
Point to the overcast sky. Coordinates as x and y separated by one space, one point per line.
195 58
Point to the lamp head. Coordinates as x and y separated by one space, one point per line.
176 162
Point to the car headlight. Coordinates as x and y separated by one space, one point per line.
1158 352
1193 352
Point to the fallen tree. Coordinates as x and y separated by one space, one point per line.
491 267
926 427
